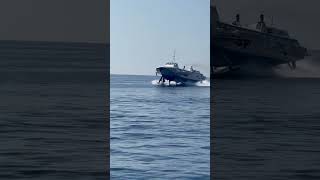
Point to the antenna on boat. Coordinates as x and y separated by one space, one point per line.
174 56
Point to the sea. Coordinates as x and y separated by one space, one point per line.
159 131
266 128
53 113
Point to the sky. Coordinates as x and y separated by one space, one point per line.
299 17
55 20
145 33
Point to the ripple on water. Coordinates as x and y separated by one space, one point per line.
161 133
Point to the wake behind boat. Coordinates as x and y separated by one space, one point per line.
171 72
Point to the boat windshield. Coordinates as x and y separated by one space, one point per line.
171 64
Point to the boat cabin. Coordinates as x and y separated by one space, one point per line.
261 26
278 32
171 65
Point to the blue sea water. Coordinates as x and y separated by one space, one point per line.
53 110
158 132
266 128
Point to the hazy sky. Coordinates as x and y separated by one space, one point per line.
144 34
54 20
299 17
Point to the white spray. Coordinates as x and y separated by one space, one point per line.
306 68
204 83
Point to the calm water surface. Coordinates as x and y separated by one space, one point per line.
53 111
266 129
158 132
